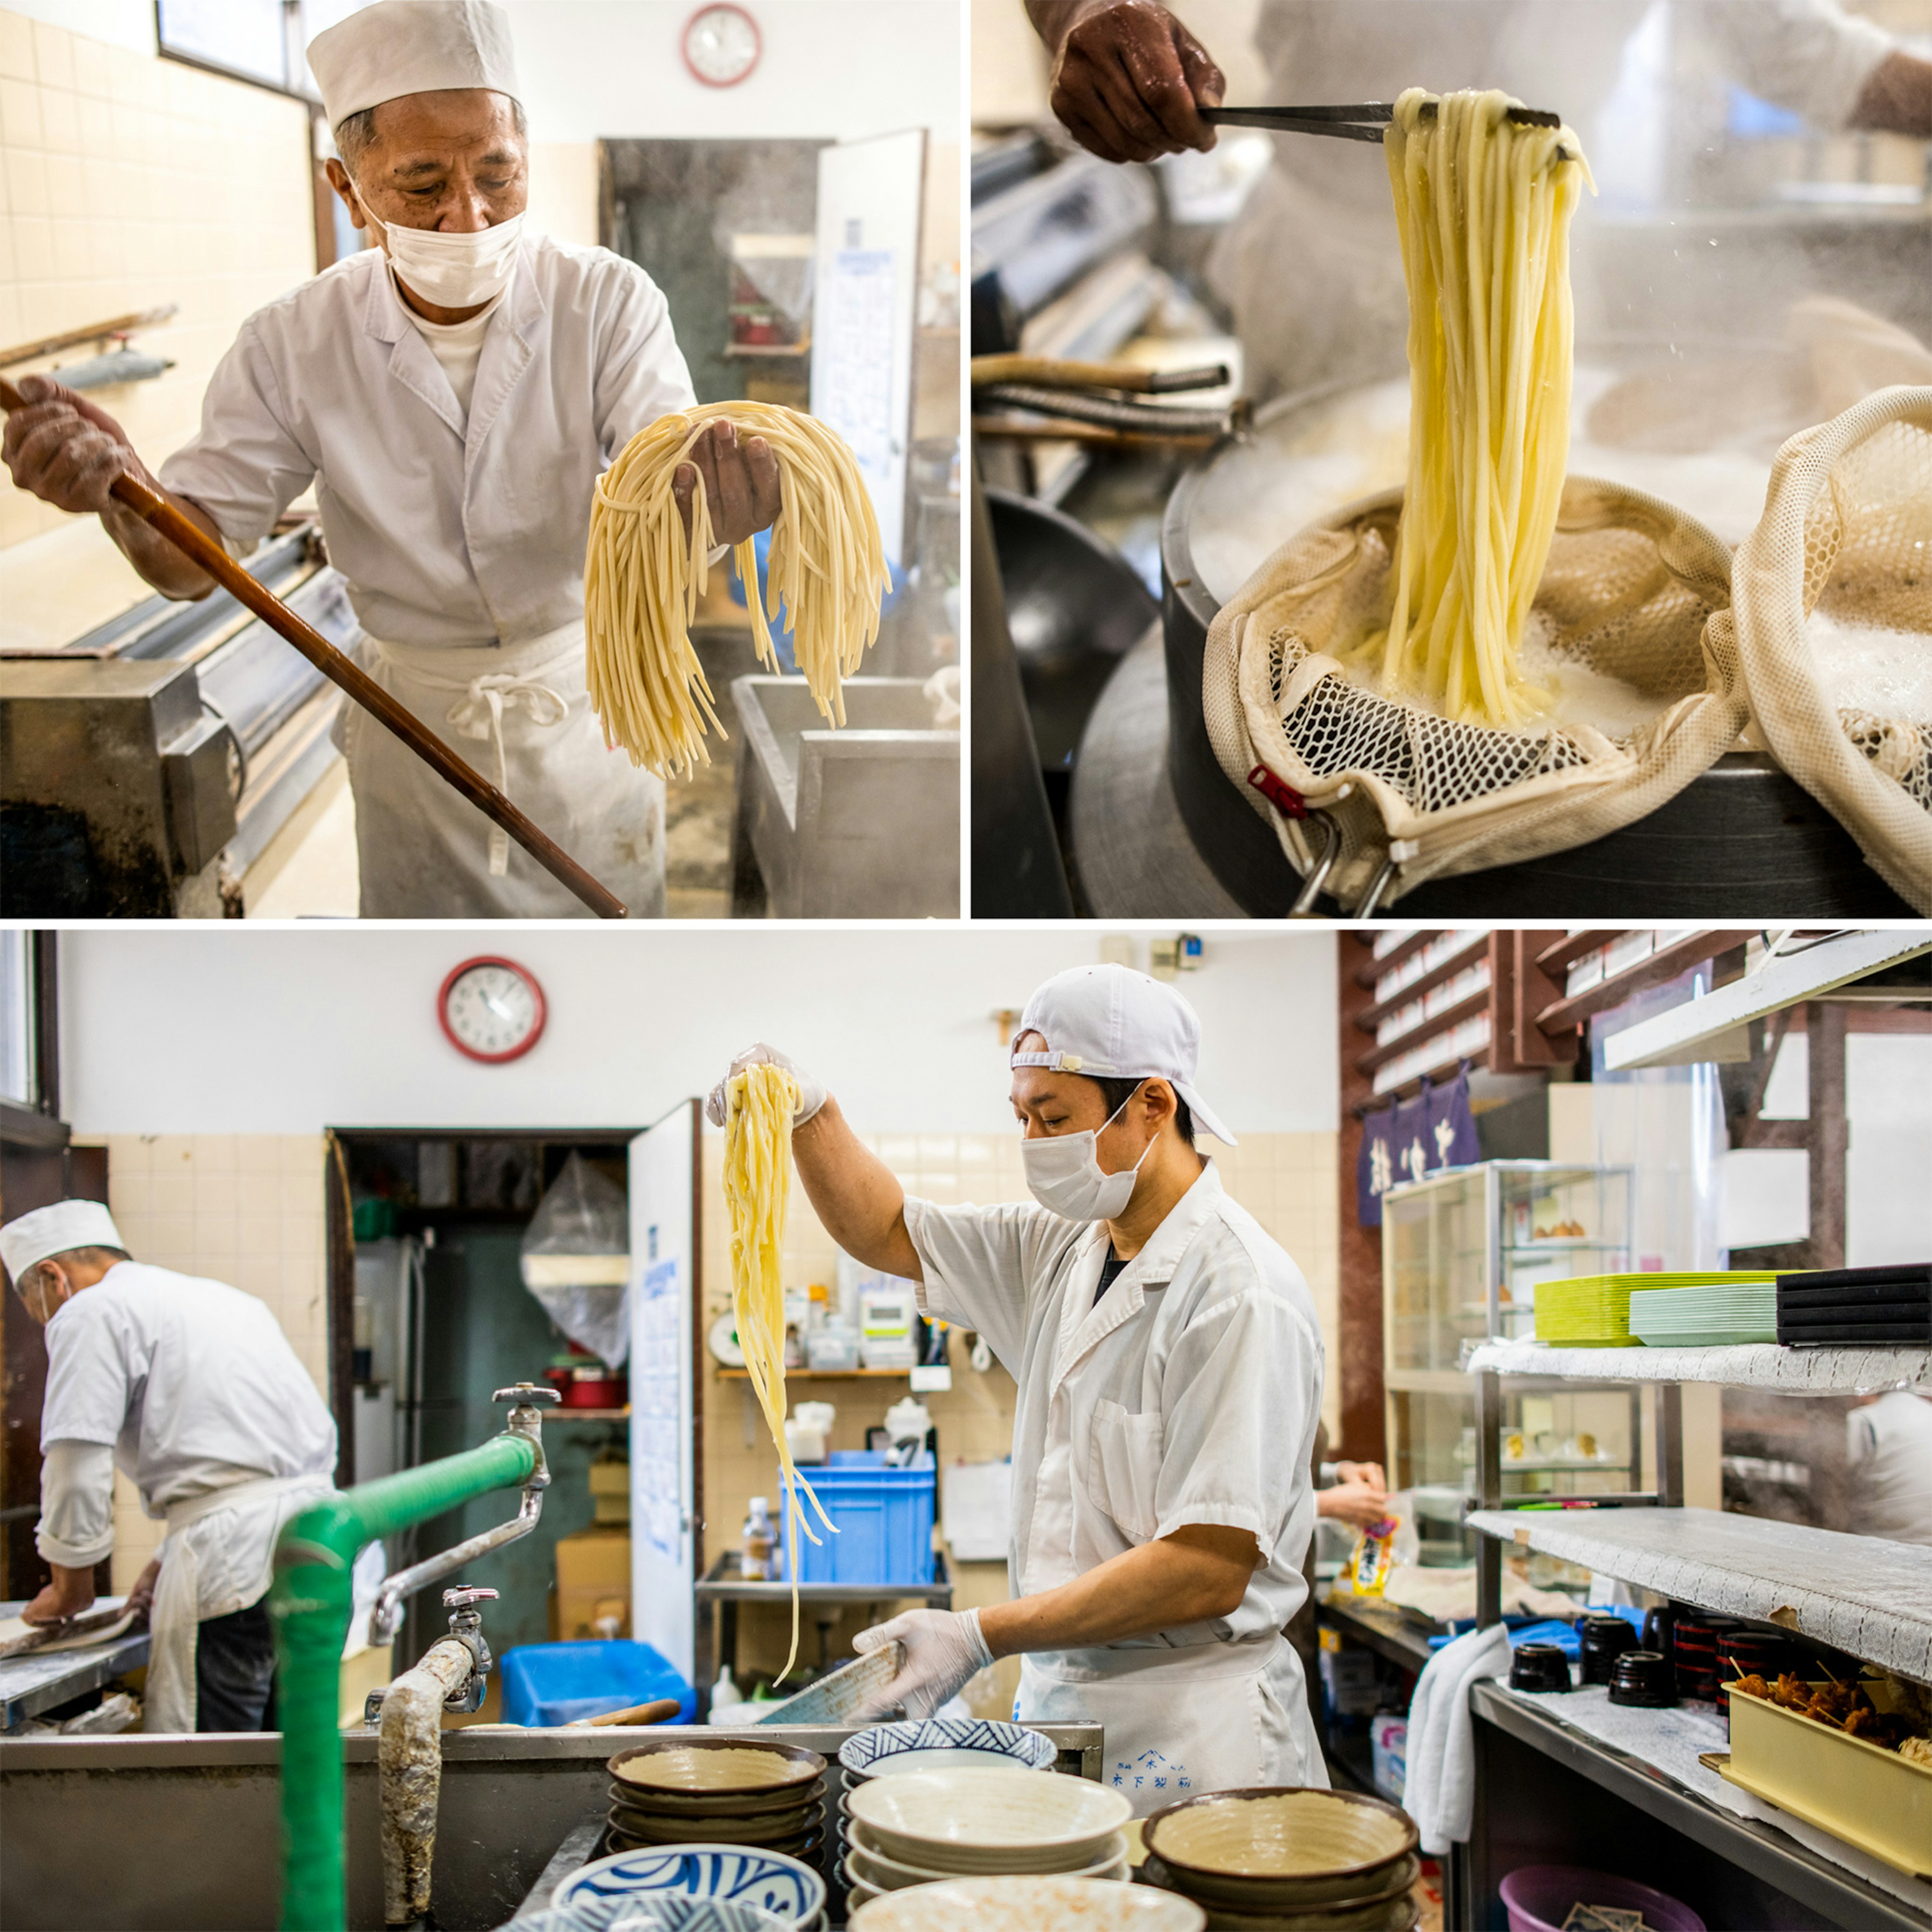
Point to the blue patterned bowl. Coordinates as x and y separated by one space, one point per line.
784 1887
945 1743
653 1912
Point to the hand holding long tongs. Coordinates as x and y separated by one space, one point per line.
1363 121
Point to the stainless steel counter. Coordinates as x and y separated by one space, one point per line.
195 1827
31 1684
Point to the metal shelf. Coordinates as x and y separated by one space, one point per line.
1861 1594
1765 1365
722 1584
1814 1881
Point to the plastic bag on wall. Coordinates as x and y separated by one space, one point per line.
577 1261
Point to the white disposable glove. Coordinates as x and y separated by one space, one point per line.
812 1093
943 1649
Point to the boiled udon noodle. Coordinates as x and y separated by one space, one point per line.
1483 206
643 578
760 1103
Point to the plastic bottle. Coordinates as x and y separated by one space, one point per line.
754 1558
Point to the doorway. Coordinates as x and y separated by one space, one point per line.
429 1314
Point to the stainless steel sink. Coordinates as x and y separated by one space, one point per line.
859 822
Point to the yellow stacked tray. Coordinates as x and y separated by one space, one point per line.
1592 1311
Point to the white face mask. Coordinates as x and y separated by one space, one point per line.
452 271
1064 1173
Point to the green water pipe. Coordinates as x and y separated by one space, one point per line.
310 1603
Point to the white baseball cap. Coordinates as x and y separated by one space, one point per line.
396 47
57 1230
1113 1023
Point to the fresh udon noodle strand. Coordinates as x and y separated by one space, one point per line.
1483 207
761 1101
642 580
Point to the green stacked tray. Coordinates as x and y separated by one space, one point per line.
1593 1311
1711 1316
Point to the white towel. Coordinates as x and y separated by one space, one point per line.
1440 1793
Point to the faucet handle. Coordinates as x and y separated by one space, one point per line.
525 1393
464 1595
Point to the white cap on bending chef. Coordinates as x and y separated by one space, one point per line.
412 46
1112 1023
58 1230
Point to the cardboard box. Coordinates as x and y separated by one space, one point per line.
593 1582
594 1559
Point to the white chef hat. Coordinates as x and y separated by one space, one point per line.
58 1230
1115 1024
412 46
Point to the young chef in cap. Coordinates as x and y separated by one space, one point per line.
192 1389
1169 1365
453 394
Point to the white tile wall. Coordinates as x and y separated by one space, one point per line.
127 181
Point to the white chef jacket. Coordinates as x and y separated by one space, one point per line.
1889 1446
197 1389
1189 1394
1313 265
451 531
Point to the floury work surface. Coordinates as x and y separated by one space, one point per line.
194 1823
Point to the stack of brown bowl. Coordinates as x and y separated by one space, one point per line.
769 1796
1288 1859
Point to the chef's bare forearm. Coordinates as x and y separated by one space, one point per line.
1898 98
856 1195
171 572
1193 1576
69 1593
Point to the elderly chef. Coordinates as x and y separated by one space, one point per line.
1169 1366
1311 268
453 394
192 1389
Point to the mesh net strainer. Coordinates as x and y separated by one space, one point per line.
1834 620
1634 591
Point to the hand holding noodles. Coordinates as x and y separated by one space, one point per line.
642 579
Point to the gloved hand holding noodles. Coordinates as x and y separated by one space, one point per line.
1169 1366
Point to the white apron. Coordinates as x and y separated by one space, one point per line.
1219 1717
196 1529
521 716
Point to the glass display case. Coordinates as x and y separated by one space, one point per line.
1463 1252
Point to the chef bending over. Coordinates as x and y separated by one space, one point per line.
453 394
1169 1367
190 1388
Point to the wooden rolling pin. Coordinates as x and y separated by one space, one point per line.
655 1712
1046 372
340 670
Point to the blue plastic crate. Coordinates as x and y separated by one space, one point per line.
884 1518
549 1684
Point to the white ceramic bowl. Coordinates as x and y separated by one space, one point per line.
891 1874
989 1821
1053 1904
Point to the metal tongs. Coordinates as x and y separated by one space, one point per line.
1365 121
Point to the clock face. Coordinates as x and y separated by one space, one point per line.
720 45
492 1009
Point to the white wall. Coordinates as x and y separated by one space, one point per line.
837 69
122 23
172 1030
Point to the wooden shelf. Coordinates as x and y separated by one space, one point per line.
586 1415
821 1375
1862 1594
